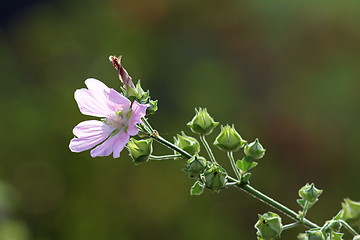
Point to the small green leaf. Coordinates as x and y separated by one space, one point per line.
197 188
245 178
246 164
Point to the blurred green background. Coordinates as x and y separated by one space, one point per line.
284 71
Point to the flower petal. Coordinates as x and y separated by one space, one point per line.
89 134
138 111
119 102
95 100
114 144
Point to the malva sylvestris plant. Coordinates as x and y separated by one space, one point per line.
124 116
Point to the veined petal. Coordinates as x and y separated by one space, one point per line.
91 103
113 145
92 128
89 134
119 102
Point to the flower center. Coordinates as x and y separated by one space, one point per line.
119 120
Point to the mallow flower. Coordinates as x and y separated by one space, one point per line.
118 123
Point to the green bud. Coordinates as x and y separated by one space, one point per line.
351 212
310 193
188 144
202 123
195 166
315 234
229 139
269 226
215 177
140 150
254 149
137 93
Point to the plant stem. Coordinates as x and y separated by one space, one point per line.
165 157
207 147
349 228
271 202
233 165
245 187
291 225
170 145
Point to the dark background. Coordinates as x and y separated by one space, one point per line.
284 71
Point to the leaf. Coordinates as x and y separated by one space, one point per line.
245 164
197 188
245 178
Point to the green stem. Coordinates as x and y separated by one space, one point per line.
207 147
233 165
245 187
271 202
170 145
291 225
165 157
349 228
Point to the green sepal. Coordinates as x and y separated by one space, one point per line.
310 193
195 166
336 236
137 93
140 150
197 188
229 139
302 202
246 163
254 149
351 212
152 108
269 226
187 143
314 234
202 123
215 177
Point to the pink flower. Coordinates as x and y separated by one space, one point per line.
119 119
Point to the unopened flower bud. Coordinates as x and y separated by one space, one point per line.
202 123
195 166
351 212
140 150
215 177
310 193
254 149
269 226
229 139
188 144
315 234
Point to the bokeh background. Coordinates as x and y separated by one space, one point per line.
284 71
